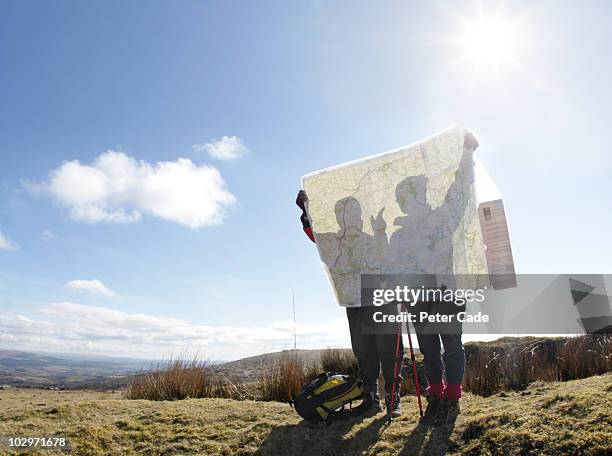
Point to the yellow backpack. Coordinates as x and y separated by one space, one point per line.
324 399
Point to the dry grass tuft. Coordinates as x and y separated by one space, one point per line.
281 380
339 360
511 364
181 377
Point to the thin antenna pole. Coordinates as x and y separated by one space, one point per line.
294 335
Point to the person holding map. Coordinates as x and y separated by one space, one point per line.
374 348
423 247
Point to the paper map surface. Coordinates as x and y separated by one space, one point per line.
407 211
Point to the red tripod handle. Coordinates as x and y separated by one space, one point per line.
398 359
414 369
395 368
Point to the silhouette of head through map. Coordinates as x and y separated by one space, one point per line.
411 195
424 241
348 214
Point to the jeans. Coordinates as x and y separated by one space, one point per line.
374 345
438 366
434 362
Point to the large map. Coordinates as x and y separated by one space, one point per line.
407 211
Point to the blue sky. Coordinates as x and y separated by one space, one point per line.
303 85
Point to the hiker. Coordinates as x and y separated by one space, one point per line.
445 372
374 350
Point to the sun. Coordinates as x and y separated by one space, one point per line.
490 42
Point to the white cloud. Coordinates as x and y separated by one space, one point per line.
227 148
92 286
47 235
76 327
7 244
117 188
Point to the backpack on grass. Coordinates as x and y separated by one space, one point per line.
324 399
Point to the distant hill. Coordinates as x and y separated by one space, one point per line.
246 369
73 371
42 370
253 361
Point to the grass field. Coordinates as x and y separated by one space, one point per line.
547 418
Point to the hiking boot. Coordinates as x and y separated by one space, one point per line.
375 408
433 404
397 405
447 412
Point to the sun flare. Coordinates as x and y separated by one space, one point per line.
490 42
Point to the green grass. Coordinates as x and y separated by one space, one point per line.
547 418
